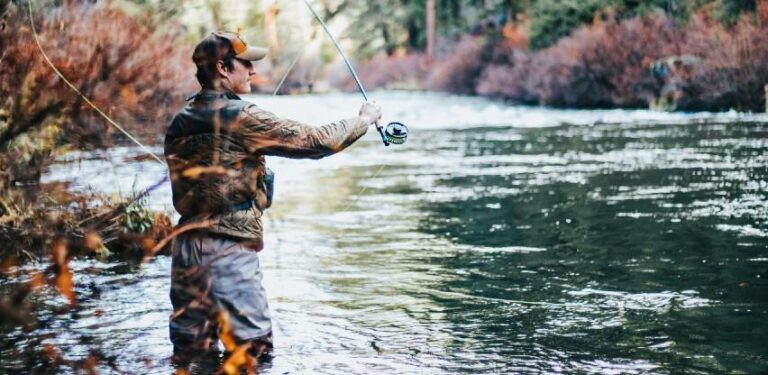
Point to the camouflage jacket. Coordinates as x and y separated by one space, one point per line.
216 148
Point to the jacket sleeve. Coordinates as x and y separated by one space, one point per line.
265 133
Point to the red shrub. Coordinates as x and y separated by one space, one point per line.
600 66
510 78
382 71
134 74
607 65
735 68
137 76
460 71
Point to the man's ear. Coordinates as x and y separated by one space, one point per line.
221 70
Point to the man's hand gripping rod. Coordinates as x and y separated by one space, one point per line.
399 129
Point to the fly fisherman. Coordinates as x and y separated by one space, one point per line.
216 148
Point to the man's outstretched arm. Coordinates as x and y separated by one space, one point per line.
265 133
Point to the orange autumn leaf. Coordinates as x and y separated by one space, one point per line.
59 253
65 285
50 353
129 96
196 172
92 241
237 359
89 365
36 281
147 244
238 354
63 275
225 332
95 244
179 230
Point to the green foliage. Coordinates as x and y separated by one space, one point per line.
731 10
457 17
554 19
404 25
158 13
138 218
379 25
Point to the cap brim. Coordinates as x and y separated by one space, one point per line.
253 54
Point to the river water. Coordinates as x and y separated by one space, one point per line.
496 240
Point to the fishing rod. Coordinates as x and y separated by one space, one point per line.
395 132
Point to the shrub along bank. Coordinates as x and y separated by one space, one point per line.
135 74
132 72
652 60
701 65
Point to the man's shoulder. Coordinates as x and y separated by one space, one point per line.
253 112
199 116
251 107
204 107
239 103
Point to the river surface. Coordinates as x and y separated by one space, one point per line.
496 240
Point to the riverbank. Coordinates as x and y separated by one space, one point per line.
63 89
34 218
652 61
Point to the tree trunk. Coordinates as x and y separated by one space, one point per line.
270 31
430 30
765 90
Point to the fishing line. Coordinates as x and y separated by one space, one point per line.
290 68
48 61
165 178
88 101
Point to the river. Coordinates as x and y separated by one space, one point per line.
498 239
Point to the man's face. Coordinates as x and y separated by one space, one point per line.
238 80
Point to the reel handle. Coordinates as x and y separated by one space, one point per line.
381 133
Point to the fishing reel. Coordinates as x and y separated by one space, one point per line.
395 132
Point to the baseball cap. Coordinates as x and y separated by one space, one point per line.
222 44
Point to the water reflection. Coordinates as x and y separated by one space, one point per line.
648 230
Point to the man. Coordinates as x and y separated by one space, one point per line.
216 148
